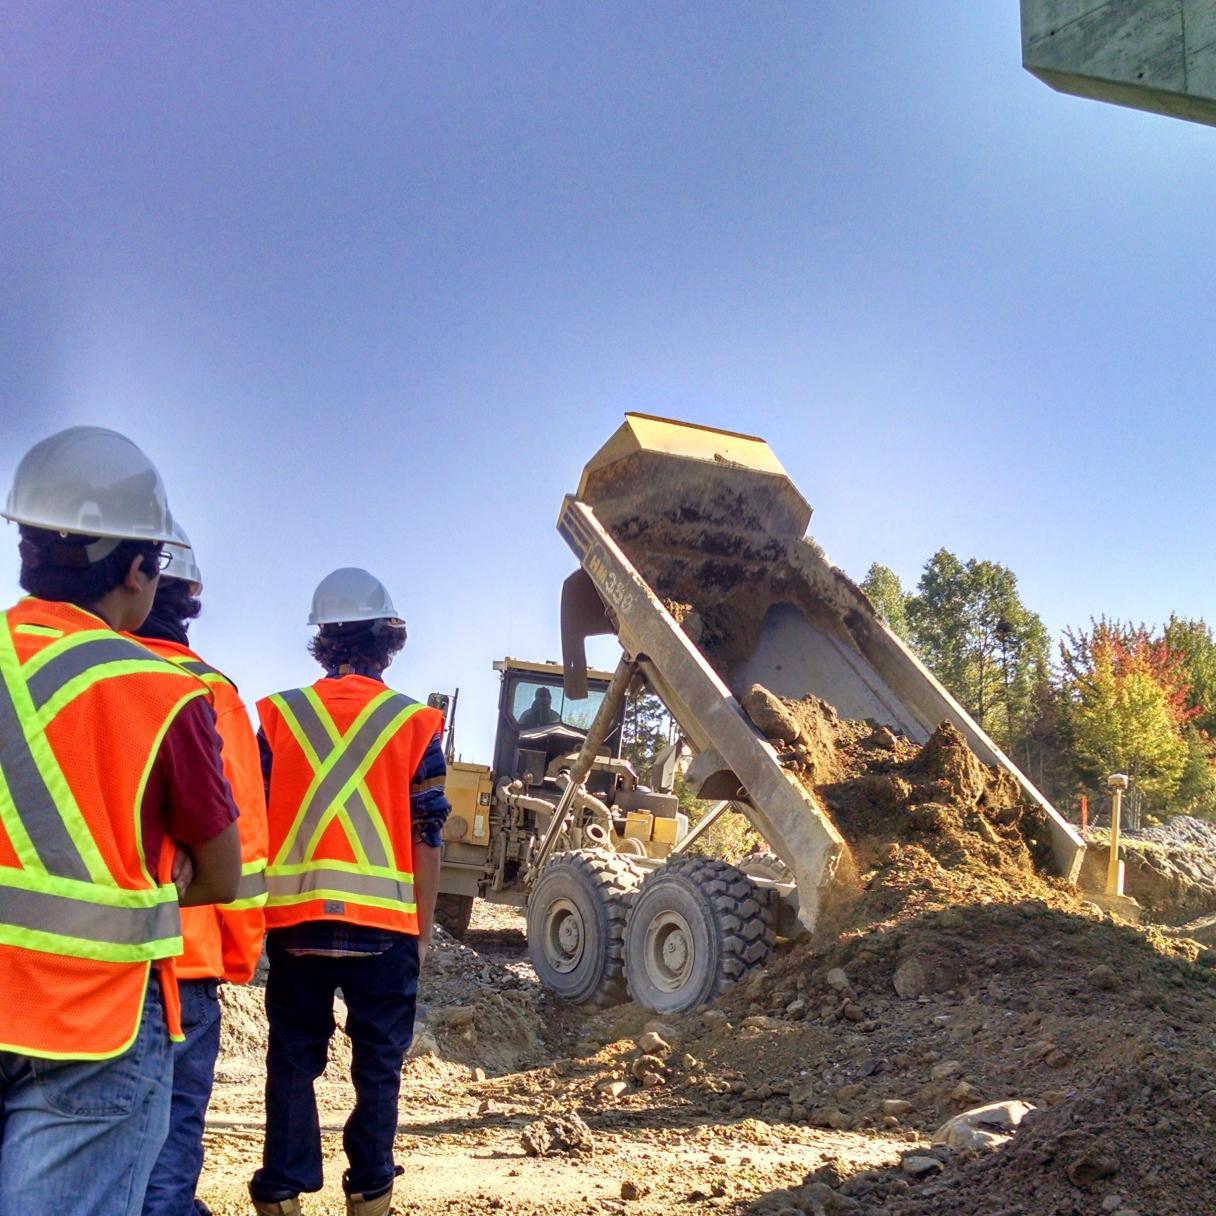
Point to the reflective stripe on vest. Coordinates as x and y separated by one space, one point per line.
339 764
251 891
196 667
63 899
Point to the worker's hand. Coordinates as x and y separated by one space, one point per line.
423 943
183 871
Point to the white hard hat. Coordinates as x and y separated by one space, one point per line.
348 595
182 562
89 481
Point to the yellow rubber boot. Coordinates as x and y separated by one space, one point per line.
356 1205
280 1207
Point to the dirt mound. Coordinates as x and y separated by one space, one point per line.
1129 1142
472 1011
960 973
926 825
1173 883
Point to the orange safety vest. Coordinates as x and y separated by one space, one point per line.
224 941
83 913
345 752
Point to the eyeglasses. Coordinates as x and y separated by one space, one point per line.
163 558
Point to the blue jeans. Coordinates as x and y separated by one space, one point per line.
380 991
175 1175
79 1137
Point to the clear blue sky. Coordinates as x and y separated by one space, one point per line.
370 284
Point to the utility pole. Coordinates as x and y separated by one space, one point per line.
1116 783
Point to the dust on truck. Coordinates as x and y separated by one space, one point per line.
693 553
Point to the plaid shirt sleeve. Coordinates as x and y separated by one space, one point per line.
429 806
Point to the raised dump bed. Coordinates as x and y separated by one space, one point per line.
693 551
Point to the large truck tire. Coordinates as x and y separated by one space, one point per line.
766 864
454 912
696 926
576 925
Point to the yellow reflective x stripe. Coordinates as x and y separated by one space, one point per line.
79 637
318 734
359 807
341 770
38 631
363 742
64 890
46 828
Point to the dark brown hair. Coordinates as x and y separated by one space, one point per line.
364 646
56 567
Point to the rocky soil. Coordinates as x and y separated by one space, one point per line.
955 974
1170 869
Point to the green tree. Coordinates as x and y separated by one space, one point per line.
1197 786
1191 642
969 625
647 729
1045 748
1127 710
888 596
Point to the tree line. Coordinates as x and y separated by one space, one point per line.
1110 697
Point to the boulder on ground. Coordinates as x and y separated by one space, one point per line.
983 1127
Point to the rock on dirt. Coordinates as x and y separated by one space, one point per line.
770 714
919 1166
652 1044
983 1127
566 1134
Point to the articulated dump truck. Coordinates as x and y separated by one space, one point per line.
693 552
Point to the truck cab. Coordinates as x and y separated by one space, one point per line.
484 846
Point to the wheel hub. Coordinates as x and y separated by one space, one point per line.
669 951
564 936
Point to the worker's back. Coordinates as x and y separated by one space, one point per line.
344 754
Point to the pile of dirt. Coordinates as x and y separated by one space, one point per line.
960 973
1131 1141
928 826
1174 884
1128 1144
472 1011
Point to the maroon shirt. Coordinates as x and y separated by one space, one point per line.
187 796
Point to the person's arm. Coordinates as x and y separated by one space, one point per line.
429 809
217 870
199 815
426 888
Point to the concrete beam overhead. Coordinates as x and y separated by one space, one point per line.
1155 55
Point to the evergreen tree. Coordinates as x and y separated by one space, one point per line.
972 630
888 596
647 729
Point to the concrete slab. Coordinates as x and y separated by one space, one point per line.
1156 55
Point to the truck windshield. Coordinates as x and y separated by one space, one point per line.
535 704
